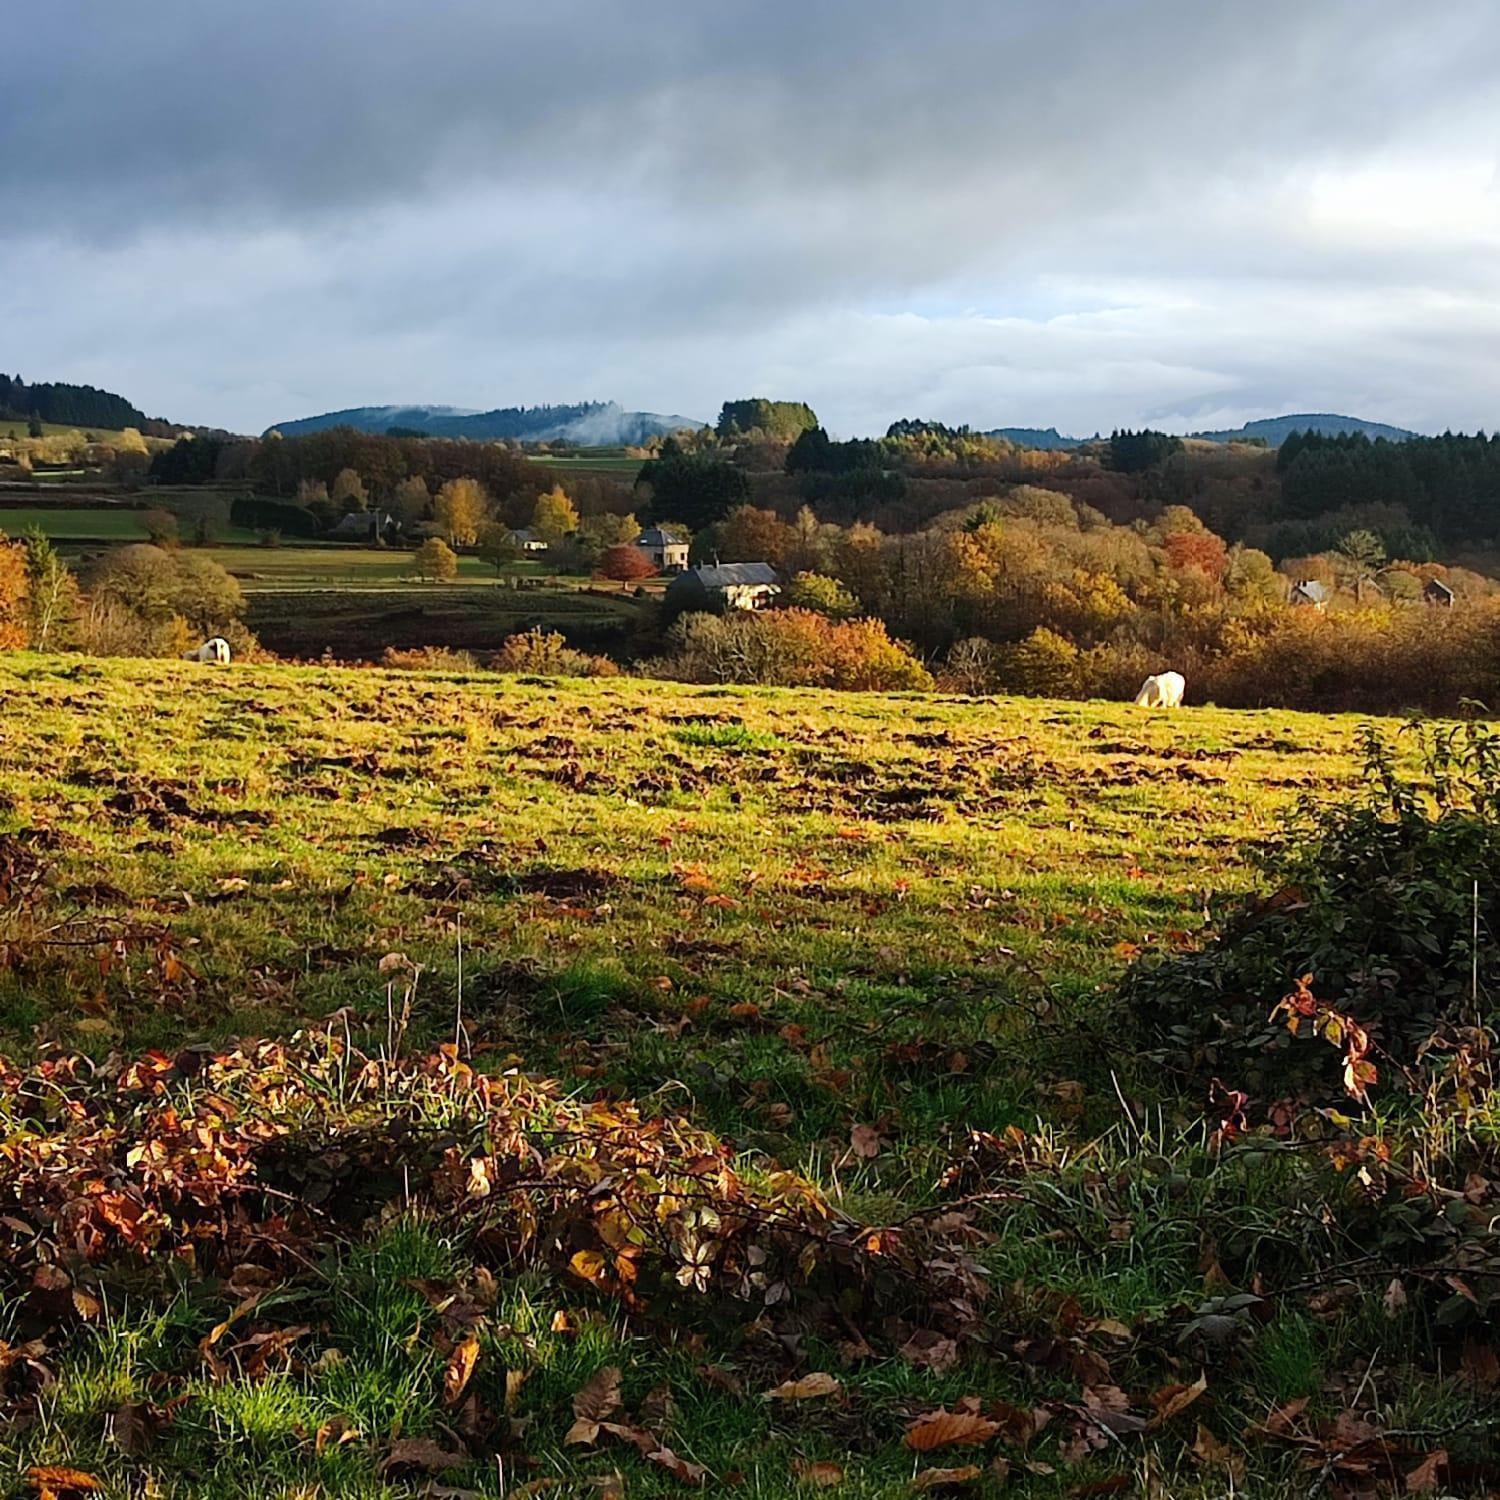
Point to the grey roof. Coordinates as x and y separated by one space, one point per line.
654 536
362 523
1312 589
728 575
1438 584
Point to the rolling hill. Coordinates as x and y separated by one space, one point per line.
1273 431
589 423
1276 430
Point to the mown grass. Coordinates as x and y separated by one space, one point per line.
785 914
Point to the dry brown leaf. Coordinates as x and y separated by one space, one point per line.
459 1369
1279 1423
599 1396
933 1479
949 1429
62 1481
1172 1400
805 1389
680 1468
1423 1480
865 1141
334 1434
1210 1450
422 1454
819 1473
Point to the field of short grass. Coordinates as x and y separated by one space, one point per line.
837 933
106 523
327 565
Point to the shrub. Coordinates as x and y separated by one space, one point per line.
547 654
13 592
791 648
435 559
158 585
1374 900
428 659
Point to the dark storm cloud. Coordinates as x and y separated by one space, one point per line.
1082 211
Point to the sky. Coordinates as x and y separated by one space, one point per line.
1080 213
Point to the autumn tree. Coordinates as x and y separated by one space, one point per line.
13 592
626 564
435 560
460 509
411 501
52 600
554 516
821 594
349 493
161 526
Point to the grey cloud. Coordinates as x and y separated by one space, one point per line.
1096 210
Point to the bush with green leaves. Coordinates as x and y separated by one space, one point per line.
1389 901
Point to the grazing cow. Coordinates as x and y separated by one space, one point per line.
215 650
1163 690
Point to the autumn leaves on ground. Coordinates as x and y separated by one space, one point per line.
444 1085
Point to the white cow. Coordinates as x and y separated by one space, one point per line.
215 650
1163 690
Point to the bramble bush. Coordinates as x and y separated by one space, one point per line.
1387 902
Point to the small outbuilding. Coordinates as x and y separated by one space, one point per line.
1435 591
668 552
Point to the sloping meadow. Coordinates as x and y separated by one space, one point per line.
505 1086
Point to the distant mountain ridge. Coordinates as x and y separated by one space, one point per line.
1276 430
590 424
1045 438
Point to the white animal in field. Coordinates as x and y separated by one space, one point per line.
215 650
1162 690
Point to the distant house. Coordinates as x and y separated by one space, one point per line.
528 541
1435 591
724 586
668 552
365 526
1310 592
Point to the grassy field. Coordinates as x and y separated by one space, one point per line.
839 932
106 523
611 462
329 565
357 622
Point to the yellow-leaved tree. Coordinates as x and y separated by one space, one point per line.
554 516
460 509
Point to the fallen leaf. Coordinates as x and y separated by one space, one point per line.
805 1389
933 1479
1394 1300
821 1473
1279 1423
679 1468
949 1429
335 1433
459 1369
1172 1400
1210 1450
865 1141
422 1454
62 1481
1423 1480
